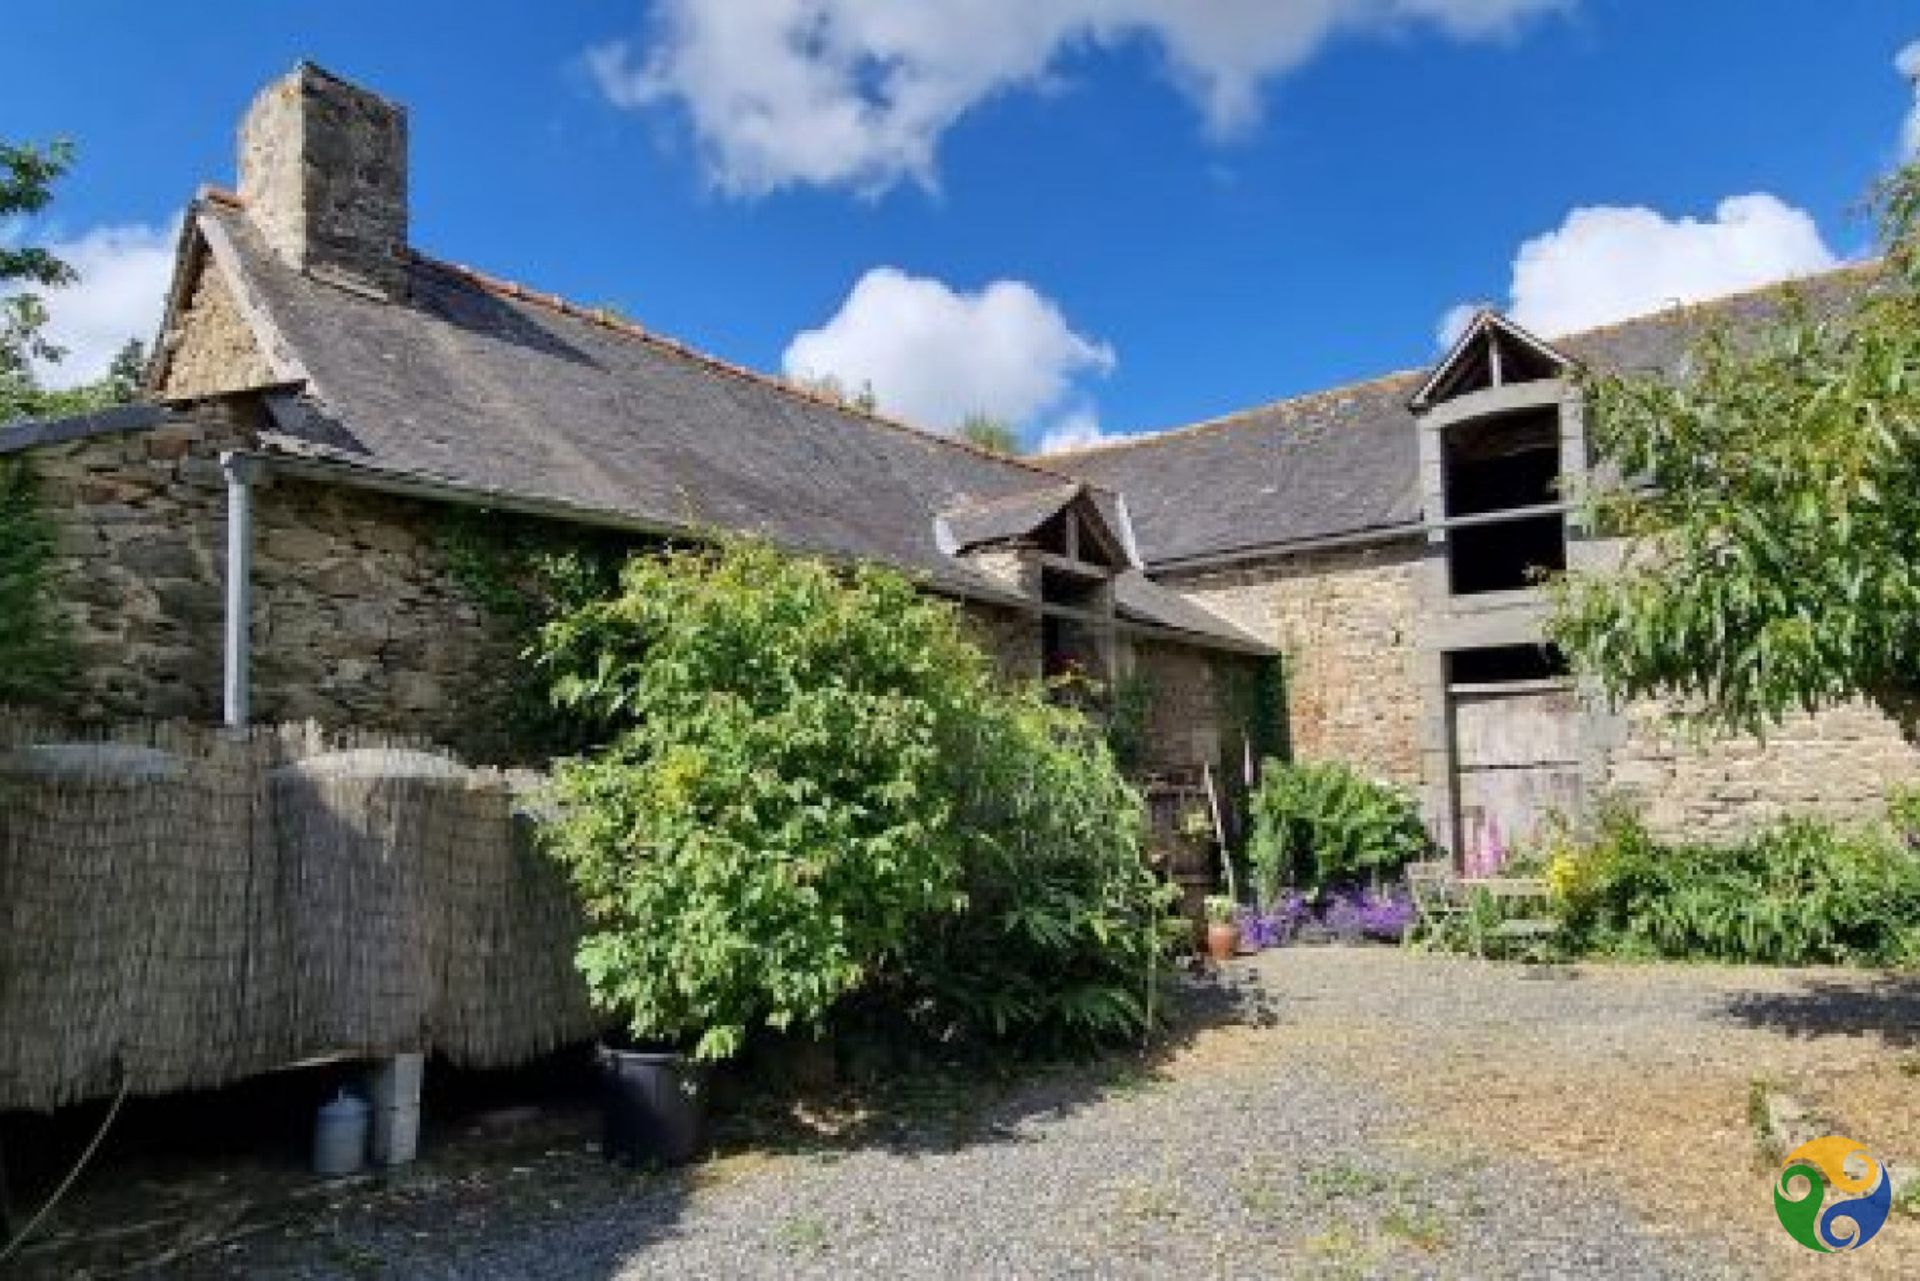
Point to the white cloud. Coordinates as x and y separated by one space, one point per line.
859 92
1907 63
1079 429
1606 263
123 276
933 355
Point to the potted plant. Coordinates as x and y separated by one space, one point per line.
1223 932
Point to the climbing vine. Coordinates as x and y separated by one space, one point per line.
35 656
523 573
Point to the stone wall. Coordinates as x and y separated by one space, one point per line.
1012 636
212 349
1191 715
1838 764
357 619
1346 622
141 528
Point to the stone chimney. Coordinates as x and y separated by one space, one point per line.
323 172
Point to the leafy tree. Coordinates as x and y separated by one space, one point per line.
27 175
1773 529
989 433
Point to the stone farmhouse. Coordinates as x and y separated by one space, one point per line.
261 540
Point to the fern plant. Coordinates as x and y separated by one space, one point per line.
1324 824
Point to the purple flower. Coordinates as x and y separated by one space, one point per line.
1385 915
1344 916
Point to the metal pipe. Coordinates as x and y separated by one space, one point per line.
242 472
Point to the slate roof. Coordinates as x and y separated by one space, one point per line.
977 522
480 385
1344 463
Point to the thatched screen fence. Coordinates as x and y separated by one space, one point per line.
182 906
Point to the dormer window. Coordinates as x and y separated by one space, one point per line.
1060 548
1493 438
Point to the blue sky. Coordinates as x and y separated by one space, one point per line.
1190 208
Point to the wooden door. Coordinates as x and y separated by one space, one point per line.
1516 759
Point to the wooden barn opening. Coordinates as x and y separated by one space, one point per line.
1502 479
1515 722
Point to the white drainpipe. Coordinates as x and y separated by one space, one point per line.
242 472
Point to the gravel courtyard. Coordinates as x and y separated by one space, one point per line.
1358 1112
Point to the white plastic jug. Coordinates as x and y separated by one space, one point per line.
340 1136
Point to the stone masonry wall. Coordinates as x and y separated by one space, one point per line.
1346 622
1838 764
140 527
1012 636
1191 719
212 349
357 619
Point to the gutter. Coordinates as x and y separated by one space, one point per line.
243 472
246 470
1278 551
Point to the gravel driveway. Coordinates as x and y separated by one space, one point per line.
1334 1111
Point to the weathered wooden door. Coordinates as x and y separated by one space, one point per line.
1516 758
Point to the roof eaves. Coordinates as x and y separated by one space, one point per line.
33 433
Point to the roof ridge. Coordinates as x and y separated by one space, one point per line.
608 319
1233 418
1861 267
1138 439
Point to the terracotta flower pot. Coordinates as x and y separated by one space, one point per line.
1223 940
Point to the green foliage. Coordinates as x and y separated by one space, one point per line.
1065 930
34 654
1775 539
1130 704
1799 893
814 787
989 433
1322 824
525 573
27 175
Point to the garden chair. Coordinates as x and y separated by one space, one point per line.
1439 895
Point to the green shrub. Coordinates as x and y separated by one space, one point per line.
1798 893
815 788
1065 930
1323 824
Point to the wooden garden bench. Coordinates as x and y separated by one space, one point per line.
1534 894
1441 894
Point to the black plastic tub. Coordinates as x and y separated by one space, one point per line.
655 1107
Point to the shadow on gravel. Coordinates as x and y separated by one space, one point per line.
1888 1004
945 1107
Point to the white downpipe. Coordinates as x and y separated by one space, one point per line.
242 472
